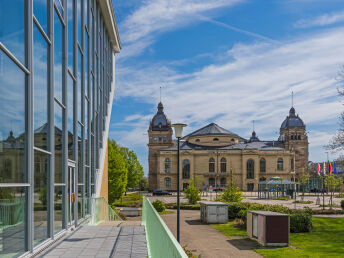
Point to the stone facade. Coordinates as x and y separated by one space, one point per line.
208 154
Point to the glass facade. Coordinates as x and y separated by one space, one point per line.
56 76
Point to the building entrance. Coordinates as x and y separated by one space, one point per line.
71 193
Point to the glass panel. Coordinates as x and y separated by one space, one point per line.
58 208
79 20
87 189
70 104
40 90
70 34
12 226
80 200
12 27
40 197
57 57
40 11
86 64
58 143
12 126
86 132
79 86
79 154
59 6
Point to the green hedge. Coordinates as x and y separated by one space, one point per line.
159 205
183 206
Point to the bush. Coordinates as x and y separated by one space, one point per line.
192 193
300 221
232 194
342 204
159 205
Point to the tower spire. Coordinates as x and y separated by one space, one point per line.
253 125
292 98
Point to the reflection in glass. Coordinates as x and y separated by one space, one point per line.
70 108
40 11
40 90
57 57
12 126
87 190
79 20
79 154
79 87
40 197
12 226
86 132
70 34
58 208
12 27
80 201
58 143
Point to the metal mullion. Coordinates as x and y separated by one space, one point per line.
71 75
88 105
75 103
82 163
59 14
59 102
39 27
51 127
41 150
80 48
80 123
28 126
65 72
93 165
3 185
14 59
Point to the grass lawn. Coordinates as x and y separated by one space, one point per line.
165 212
129 200
326 240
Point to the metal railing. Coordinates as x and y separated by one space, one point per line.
102 211
160 240
11 212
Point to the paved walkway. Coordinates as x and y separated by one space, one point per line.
206 241
102 242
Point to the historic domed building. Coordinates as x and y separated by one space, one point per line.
211 151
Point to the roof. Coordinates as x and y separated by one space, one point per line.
211 129
292 120
262 145
160 121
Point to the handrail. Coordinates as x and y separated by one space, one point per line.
102 211
160 240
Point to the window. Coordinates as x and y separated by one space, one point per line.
211 165
186 169
299 136
292 164
168 182
223 165
232 140
250 169
155 138
197 140
262 179
279 164
223 182
262 165
165 139
216 139
250 187
160 138
212 182
167 165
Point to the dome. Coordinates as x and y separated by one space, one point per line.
254 137
160 121
292 120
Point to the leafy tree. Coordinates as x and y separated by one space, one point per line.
232 193
135 170
118 172
303 179
143 184
332 183
192 193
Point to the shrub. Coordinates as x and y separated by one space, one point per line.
159 205
342 204
192 193
231 193
300 221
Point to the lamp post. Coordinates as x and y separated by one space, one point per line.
178 132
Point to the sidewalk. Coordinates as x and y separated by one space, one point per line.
204 240
102 242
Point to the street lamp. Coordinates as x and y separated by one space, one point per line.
178 132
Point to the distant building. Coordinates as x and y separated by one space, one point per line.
210 152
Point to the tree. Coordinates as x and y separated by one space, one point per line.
135 170
303 179
332 183
192 193
118 172
143 184
232 193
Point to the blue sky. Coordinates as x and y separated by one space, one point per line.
229 62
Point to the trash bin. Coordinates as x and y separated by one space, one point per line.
214 212
268 228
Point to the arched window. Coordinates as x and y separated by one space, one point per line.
292 137
216 139
186 169
223 182
211 165
292 164
198 140
212 182
160 138
168 182
223 165
165 139
262 165
232 140
250 169
279 164
299 136
167 165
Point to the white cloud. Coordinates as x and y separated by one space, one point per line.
156 16
322 20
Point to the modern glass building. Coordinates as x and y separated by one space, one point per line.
56 88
